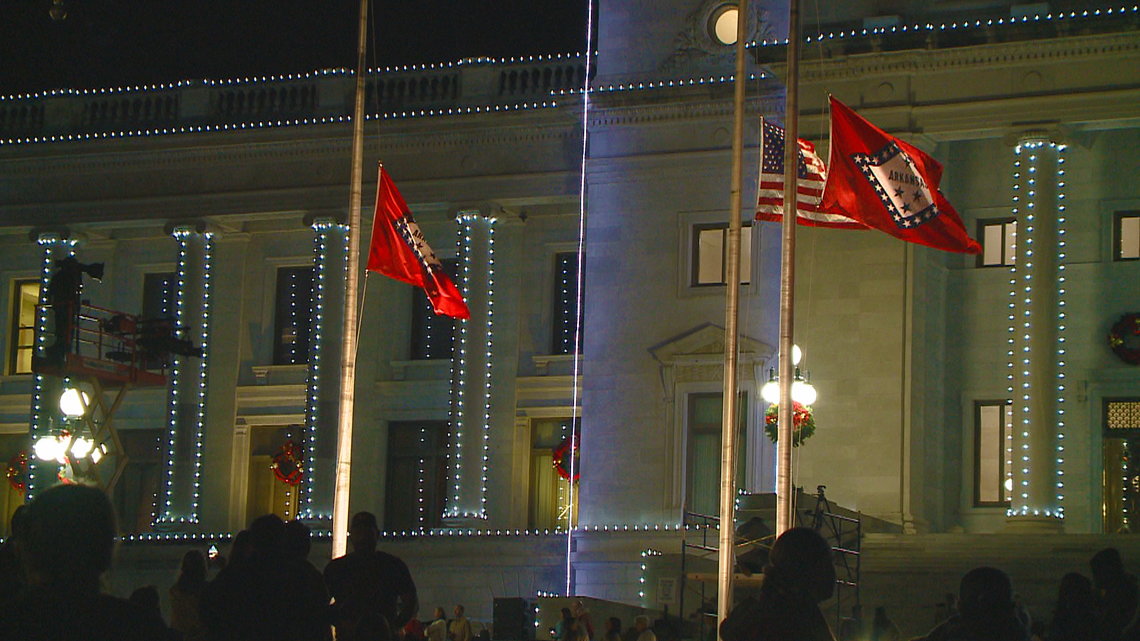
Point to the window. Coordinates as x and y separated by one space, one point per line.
136 490
159 295
999 242
708 254
1126 236
433 336
21 337
293 316
722 24
993 443
550 494
702 486
567 329
417 475
266 493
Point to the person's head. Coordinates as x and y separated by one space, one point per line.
1106 566
440 613
985 594
298 540
1076 593
458 611
239 549
146 599
802 558
567 614
267 536
363 532
641 623
193 568
69 536
613 624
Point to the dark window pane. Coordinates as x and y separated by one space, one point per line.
432 336
293 315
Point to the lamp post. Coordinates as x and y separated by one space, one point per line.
803 392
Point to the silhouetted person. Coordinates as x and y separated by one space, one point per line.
186 595
147 601
1116 591
460 628
373 592
986 610
1074 616
12 582
800 574
263 596
240 548
437 629
641 627
882 628
613 629
64 294
298 543
68 542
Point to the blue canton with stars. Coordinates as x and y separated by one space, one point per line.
896 181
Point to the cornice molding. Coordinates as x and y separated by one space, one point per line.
658 112
918 61
229 147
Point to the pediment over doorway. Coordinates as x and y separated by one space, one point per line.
703 348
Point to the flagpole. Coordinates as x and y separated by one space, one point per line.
784 515
726 557
351 319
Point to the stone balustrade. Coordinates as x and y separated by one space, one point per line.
321 96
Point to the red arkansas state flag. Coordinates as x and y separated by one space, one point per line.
399 251
887 184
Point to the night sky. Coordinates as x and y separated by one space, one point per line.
109 43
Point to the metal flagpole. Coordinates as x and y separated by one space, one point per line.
784 516
726 557
351 314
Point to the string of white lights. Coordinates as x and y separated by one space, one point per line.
41 421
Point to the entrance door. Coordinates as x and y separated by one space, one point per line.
1122 466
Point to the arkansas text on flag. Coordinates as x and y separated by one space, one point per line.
887 184
811 174
399 250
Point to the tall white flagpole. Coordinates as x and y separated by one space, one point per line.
726 556
351 313
784 516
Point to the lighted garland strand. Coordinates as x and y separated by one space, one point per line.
1128 325
18 471
803 423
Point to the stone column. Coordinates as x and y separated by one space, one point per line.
45 414
180 484
1037 337
330 254
470 418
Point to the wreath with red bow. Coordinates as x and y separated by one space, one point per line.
562 458
286 465
18 471
1128 325
803 423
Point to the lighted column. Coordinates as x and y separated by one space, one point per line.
186 400
330 255
45 398
471 406
1036 337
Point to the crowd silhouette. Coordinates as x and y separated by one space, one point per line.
63 541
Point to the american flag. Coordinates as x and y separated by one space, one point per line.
811 176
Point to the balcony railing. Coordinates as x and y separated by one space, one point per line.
323 96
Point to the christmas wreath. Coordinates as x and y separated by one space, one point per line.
562 458
803 423
287 465
1128 325
18 471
